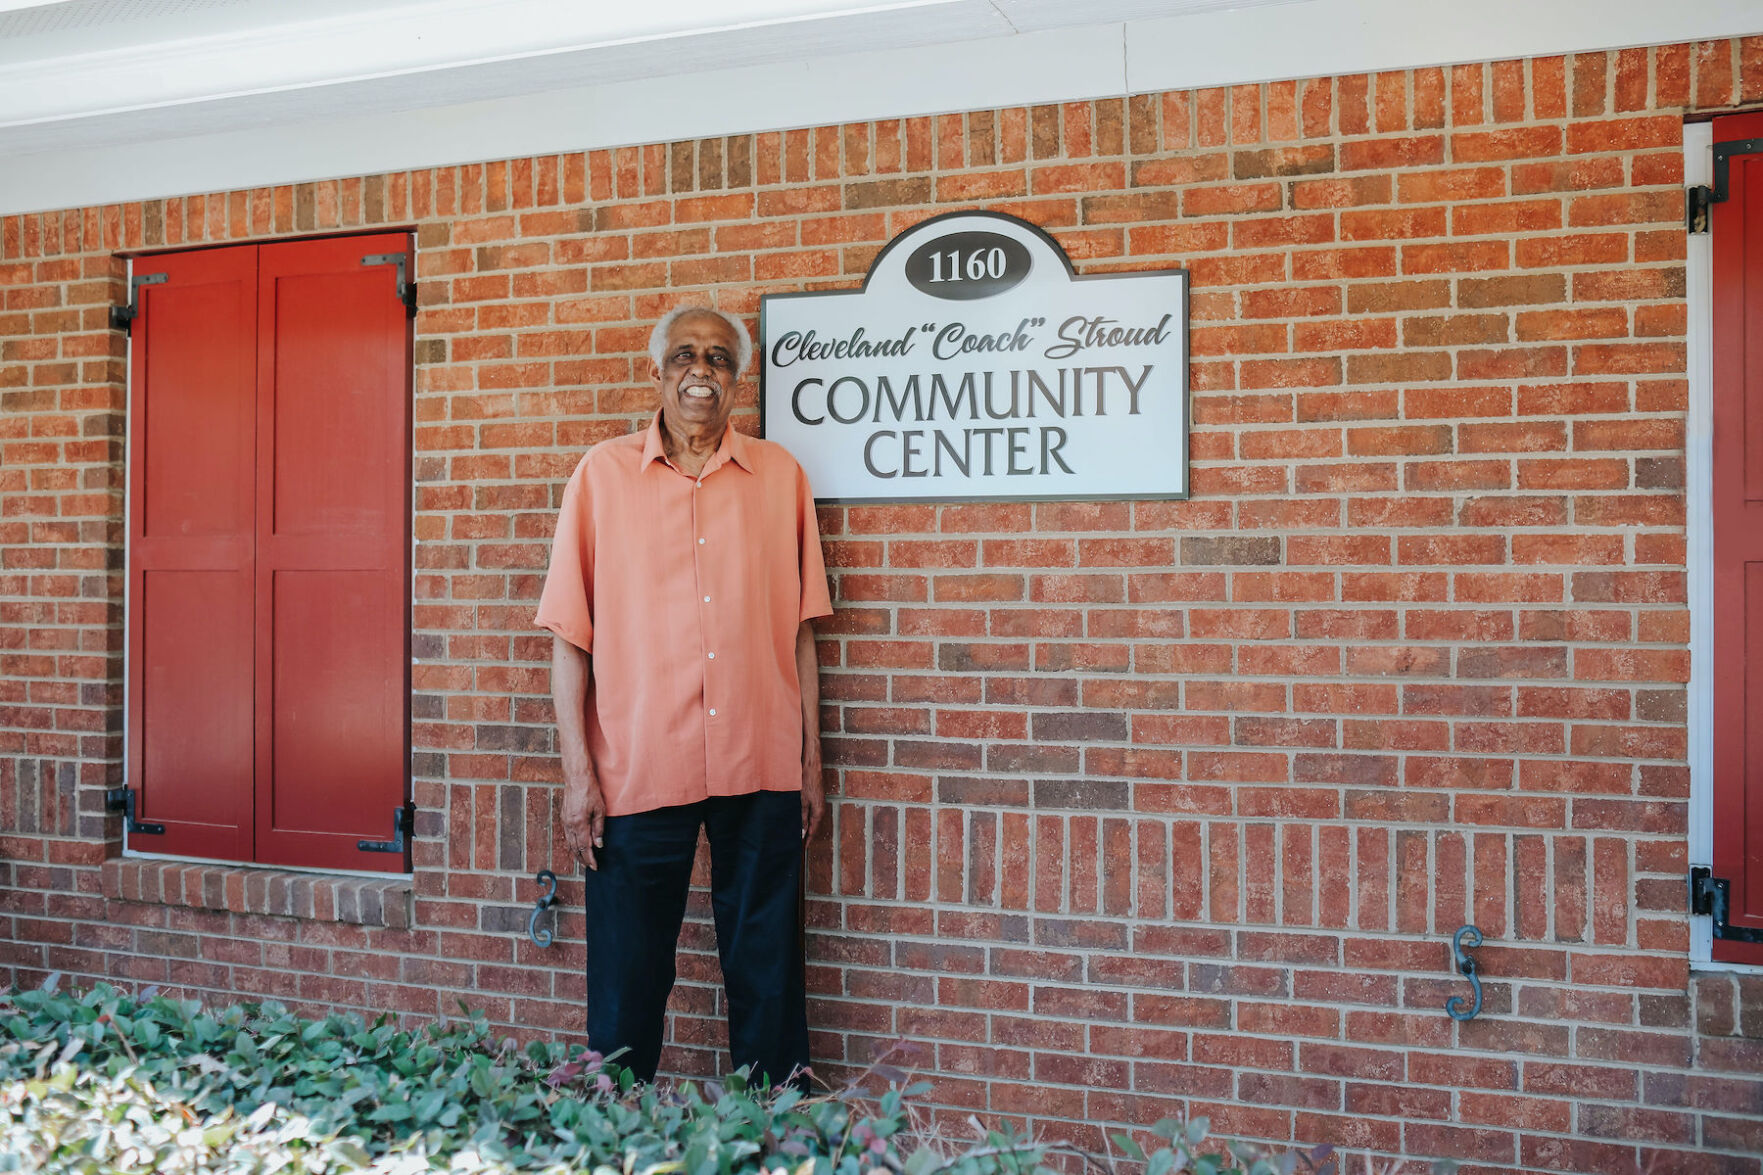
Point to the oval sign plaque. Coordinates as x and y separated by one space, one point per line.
974 365
968 265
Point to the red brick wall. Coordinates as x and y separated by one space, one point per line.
1140 808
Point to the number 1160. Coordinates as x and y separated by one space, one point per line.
979 265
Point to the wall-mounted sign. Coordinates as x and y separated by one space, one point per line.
974 363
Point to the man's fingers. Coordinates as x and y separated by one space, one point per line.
596 833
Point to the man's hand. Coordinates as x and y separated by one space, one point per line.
813 798
584 817
584 808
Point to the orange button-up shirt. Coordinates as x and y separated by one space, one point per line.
688 593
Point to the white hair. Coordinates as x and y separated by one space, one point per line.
658 336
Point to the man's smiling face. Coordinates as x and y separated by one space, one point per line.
697 375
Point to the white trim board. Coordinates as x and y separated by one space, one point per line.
1698 140
334 874
276 141
1698 166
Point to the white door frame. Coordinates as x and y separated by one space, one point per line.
1698 167
1698 139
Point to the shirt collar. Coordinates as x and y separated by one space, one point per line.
736 446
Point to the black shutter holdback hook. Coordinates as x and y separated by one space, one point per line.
542 936
1466 938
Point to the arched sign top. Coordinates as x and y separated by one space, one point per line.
975 363
966 233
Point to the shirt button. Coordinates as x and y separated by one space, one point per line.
713 656
700 542
706 599
713 711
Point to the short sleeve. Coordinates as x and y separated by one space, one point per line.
815 600
565 606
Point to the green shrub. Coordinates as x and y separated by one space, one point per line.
100 1081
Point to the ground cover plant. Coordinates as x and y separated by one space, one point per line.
103 1081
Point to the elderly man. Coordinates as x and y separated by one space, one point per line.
684 578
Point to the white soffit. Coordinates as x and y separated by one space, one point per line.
1359 36
110 100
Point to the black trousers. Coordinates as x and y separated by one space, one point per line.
636 901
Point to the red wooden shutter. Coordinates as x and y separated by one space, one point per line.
332 499
1738 538
191 492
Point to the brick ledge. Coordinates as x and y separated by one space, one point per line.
242 889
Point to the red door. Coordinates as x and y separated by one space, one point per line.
333 485
269 647
191 552
1737 233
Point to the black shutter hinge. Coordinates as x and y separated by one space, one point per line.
1698 200
406 287
403 824
122 317
122 799
1712 896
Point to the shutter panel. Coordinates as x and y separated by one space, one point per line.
191 425
1738 538
332 576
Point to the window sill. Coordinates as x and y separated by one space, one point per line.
245 889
